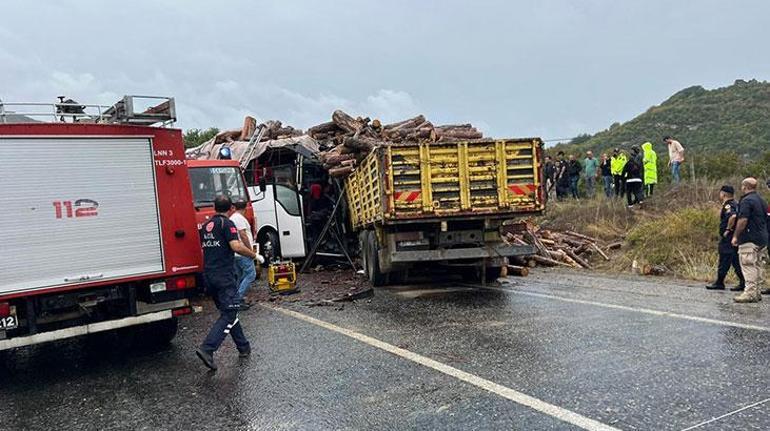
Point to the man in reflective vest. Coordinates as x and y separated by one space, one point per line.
650 168
617 163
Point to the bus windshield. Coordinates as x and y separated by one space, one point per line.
209 182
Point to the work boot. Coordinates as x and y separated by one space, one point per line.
245 353
744 298
715 286
766 291
207 359
738 288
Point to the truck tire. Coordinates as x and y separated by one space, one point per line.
363 247
373 262
493 273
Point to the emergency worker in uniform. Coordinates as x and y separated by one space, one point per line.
219 239
728 255
751 239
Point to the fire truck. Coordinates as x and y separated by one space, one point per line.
100 231
211 178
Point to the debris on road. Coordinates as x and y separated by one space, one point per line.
320 287
554 248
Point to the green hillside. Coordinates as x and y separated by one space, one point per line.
734 119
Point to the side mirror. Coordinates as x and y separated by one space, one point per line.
262 184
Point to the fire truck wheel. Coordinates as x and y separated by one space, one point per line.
160 333
373 263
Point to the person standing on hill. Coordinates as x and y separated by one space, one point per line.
574 169
650 160
675 157
751 238
550 175
591 172
606 170
617 163
728 254
561 177
632 176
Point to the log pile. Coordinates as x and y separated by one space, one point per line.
553 248
349 140
274 130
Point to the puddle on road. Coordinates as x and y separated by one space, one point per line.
414 292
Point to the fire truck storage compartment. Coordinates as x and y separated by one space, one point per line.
66 224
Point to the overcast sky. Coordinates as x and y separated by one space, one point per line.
514 68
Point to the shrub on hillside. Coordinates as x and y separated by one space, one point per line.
684 241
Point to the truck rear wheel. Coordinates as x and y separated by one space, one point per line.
493 273
373 262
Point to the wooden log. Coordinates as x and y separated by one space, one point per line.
615 245
328 127
411 122
601 253
531 263
248 129
562 256
346 122
549 262
653 269
336 159
521 271
549 242
360 143
459 134
532 239
455 126
580 261
580 235
340 172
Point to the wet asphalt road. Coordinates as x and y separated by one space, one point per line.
632 353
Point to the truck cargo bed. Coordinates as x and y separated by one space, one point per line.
482 178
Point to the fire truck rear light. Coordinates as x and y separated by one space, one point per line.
158 287
5 309
181 311
179 283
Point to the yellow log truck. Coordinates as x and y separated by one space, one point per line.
444 204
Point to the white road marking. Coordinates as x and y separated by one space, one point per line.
503 391
726 415
637 310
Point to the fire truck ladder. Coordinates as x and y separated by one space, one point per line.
138 110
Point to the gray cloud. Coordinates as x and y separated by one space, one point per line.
551 68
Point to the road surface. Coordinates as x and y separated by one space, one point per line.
557 350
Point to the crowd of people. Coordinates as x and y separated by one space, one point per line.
744 229
633 175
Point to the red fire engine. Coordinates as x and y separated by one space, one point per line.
100 230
